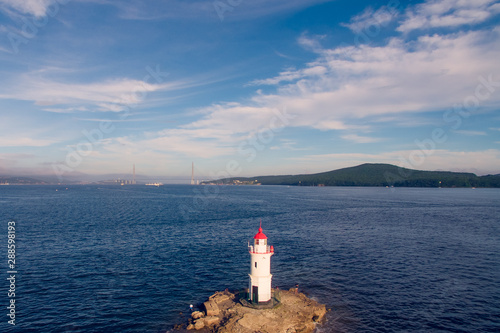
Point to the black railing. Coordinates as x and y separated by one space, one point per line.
244 299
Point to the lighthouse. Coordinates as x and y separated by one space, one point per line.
260 268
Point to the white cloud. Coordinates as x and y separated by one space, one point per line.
233 119
448 13
218 133
311 43
189 144
66 110
287 75
36 8
24 142
110 95
333 93
332 125
431 73
286 144
360 139
174 142
371 19
124 120
293 75
470 133
205 10
3 49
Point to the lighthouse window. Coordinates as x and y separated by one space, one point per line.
256 264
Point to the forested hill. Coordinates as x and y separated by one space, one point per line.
4 180
374 175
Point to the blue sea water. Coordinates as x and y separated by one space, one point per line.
132 258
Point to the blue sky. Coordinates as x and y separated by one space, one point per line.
248 88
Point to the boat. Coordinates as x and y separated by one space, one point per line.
154 184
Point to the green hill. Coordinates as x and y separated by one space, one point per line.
374 175
20 181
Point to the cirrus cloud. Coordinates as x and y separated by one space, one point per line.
336 91
36 8
448 13
110 95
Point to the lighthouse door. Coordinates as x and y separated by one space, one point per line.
255 294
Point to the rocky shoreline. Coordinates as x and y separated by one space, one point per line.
225 312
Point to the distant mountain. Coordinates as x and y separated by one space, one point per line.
69 178
373 175
4 180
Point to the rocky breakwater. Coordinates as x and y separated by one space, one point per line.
225 313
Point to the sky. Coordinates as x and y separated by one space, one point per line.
247 88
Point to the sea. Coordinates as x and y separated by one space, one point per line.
92 258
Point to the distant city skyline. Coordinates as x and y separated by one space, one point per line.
247 88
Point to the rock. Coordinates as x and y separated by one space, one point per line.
319 313
219 297
199 324
211 308
211 321
250 321
190 327
296 313
197 315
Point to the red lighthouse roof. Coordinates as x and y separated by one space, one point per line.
260 234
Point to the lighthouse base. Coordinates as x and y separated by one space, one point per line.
244 299
259 289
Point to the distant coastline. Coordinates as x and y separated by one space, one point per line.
381 175
21 181
369 175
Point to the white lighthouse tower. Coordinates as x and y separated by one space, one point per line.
260 268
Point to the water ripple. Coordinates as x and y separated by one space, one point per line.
124 259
